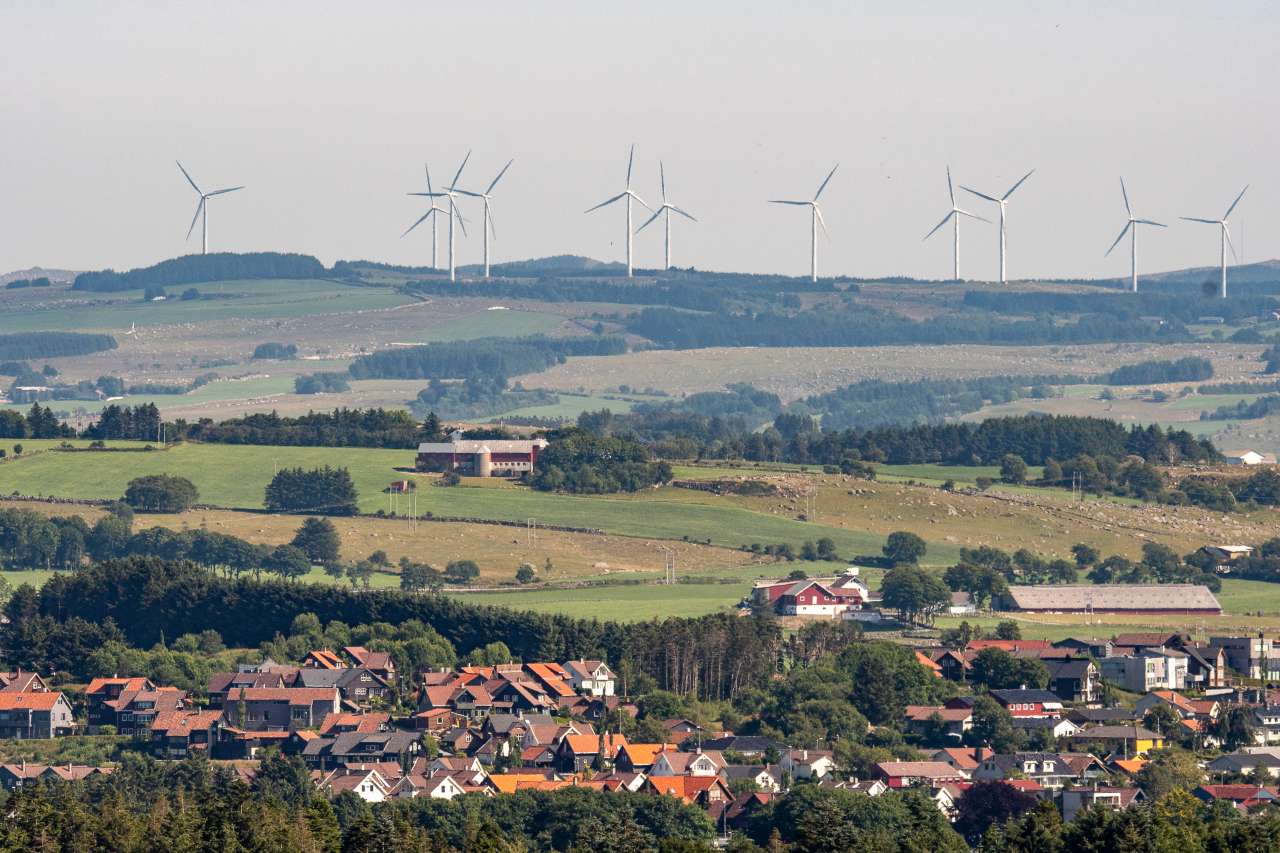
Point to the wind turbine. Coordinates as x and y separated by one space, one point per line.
435 209
628 195
1225 236
454 213
815 216
487 226
1133 224
954 215
1003 202
202 208
667 208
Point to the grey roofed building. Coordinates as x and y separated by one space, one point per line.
744 744
1085 716
1243 762
1115 598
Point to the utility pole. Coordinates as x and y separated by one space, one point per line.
669 565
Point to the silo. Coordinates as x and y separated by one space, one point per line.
484 462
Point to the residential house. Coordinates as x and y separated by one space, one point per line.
177 733
1074 679
638 757
133 711
905 774
223 683
439 787
590 677
369 785
1206 666
1048 769
1124 740
283 709
748 746
1244 763
1252 657
1076 800
1266 721
955 721
1053 727
766 778
1137 673
1029 702
103 690
1085 646
1243 797
578 753
964 759
379 663
671 762
808 763
35 715
705 791
953 665
1188 709
13 776
1085 717
22 681
322 659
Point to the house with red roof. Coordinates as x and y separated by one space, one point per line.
905 774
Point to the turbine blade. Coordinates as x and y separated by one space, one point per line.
220 192
1150 222
188 177
651 218
1197 219
1123 231
825 182
685 214
1018 184
945 220
964 212
462 223
662 179
817 211
1125 193
980 195
427 169
493 229
454 183
630 159
606 202
1234 203
466 192
500 174
199 207
637 198
950 190
421 220
780 201
1226 232
429 195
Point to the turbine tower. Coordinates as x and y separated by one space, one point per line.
628 195
954 215
666 208
1003 201
435 209
815 217
203 209
454 213
1224 237
486 227
1133 224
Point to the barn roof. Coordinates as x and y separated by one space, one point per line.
1155 597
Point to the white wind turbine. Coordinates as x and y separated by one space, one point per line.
203 208
628 195
435 209
666 208
487 226
1225 237
1133 224
954 215
454 213
1003 202
815 217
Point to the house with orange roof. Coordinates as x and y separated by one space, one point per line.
379 663
281 709
322 659
35 715
577 753
176 733
345 723
928 663
508 783
693 790
132 712
639 757
103 690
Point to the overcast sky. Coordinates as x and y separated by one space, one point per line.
327 112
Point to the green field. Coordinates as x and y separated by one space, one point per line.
257 299
621 603
237 475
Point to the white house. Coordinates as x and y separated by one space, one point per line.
673 763
808 763
368 785
591 677
1250 457
441 787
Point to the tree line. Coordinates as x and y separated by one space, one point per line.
24 345
1183 307
870 327
1189 369
193 269
484 357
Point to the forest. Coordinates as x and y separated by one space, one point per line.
1182 306
24 345
493 358
193 269
870 327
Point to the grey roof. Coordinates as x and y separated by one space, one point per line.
1070 668
319 677
1170 597
1134 732
1102 715
1242 762
743 743
742 771
1036 722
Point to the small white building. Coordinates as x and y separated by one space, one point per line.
1250 457
590 677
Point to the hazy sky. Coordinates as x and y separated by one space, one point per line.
327 111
